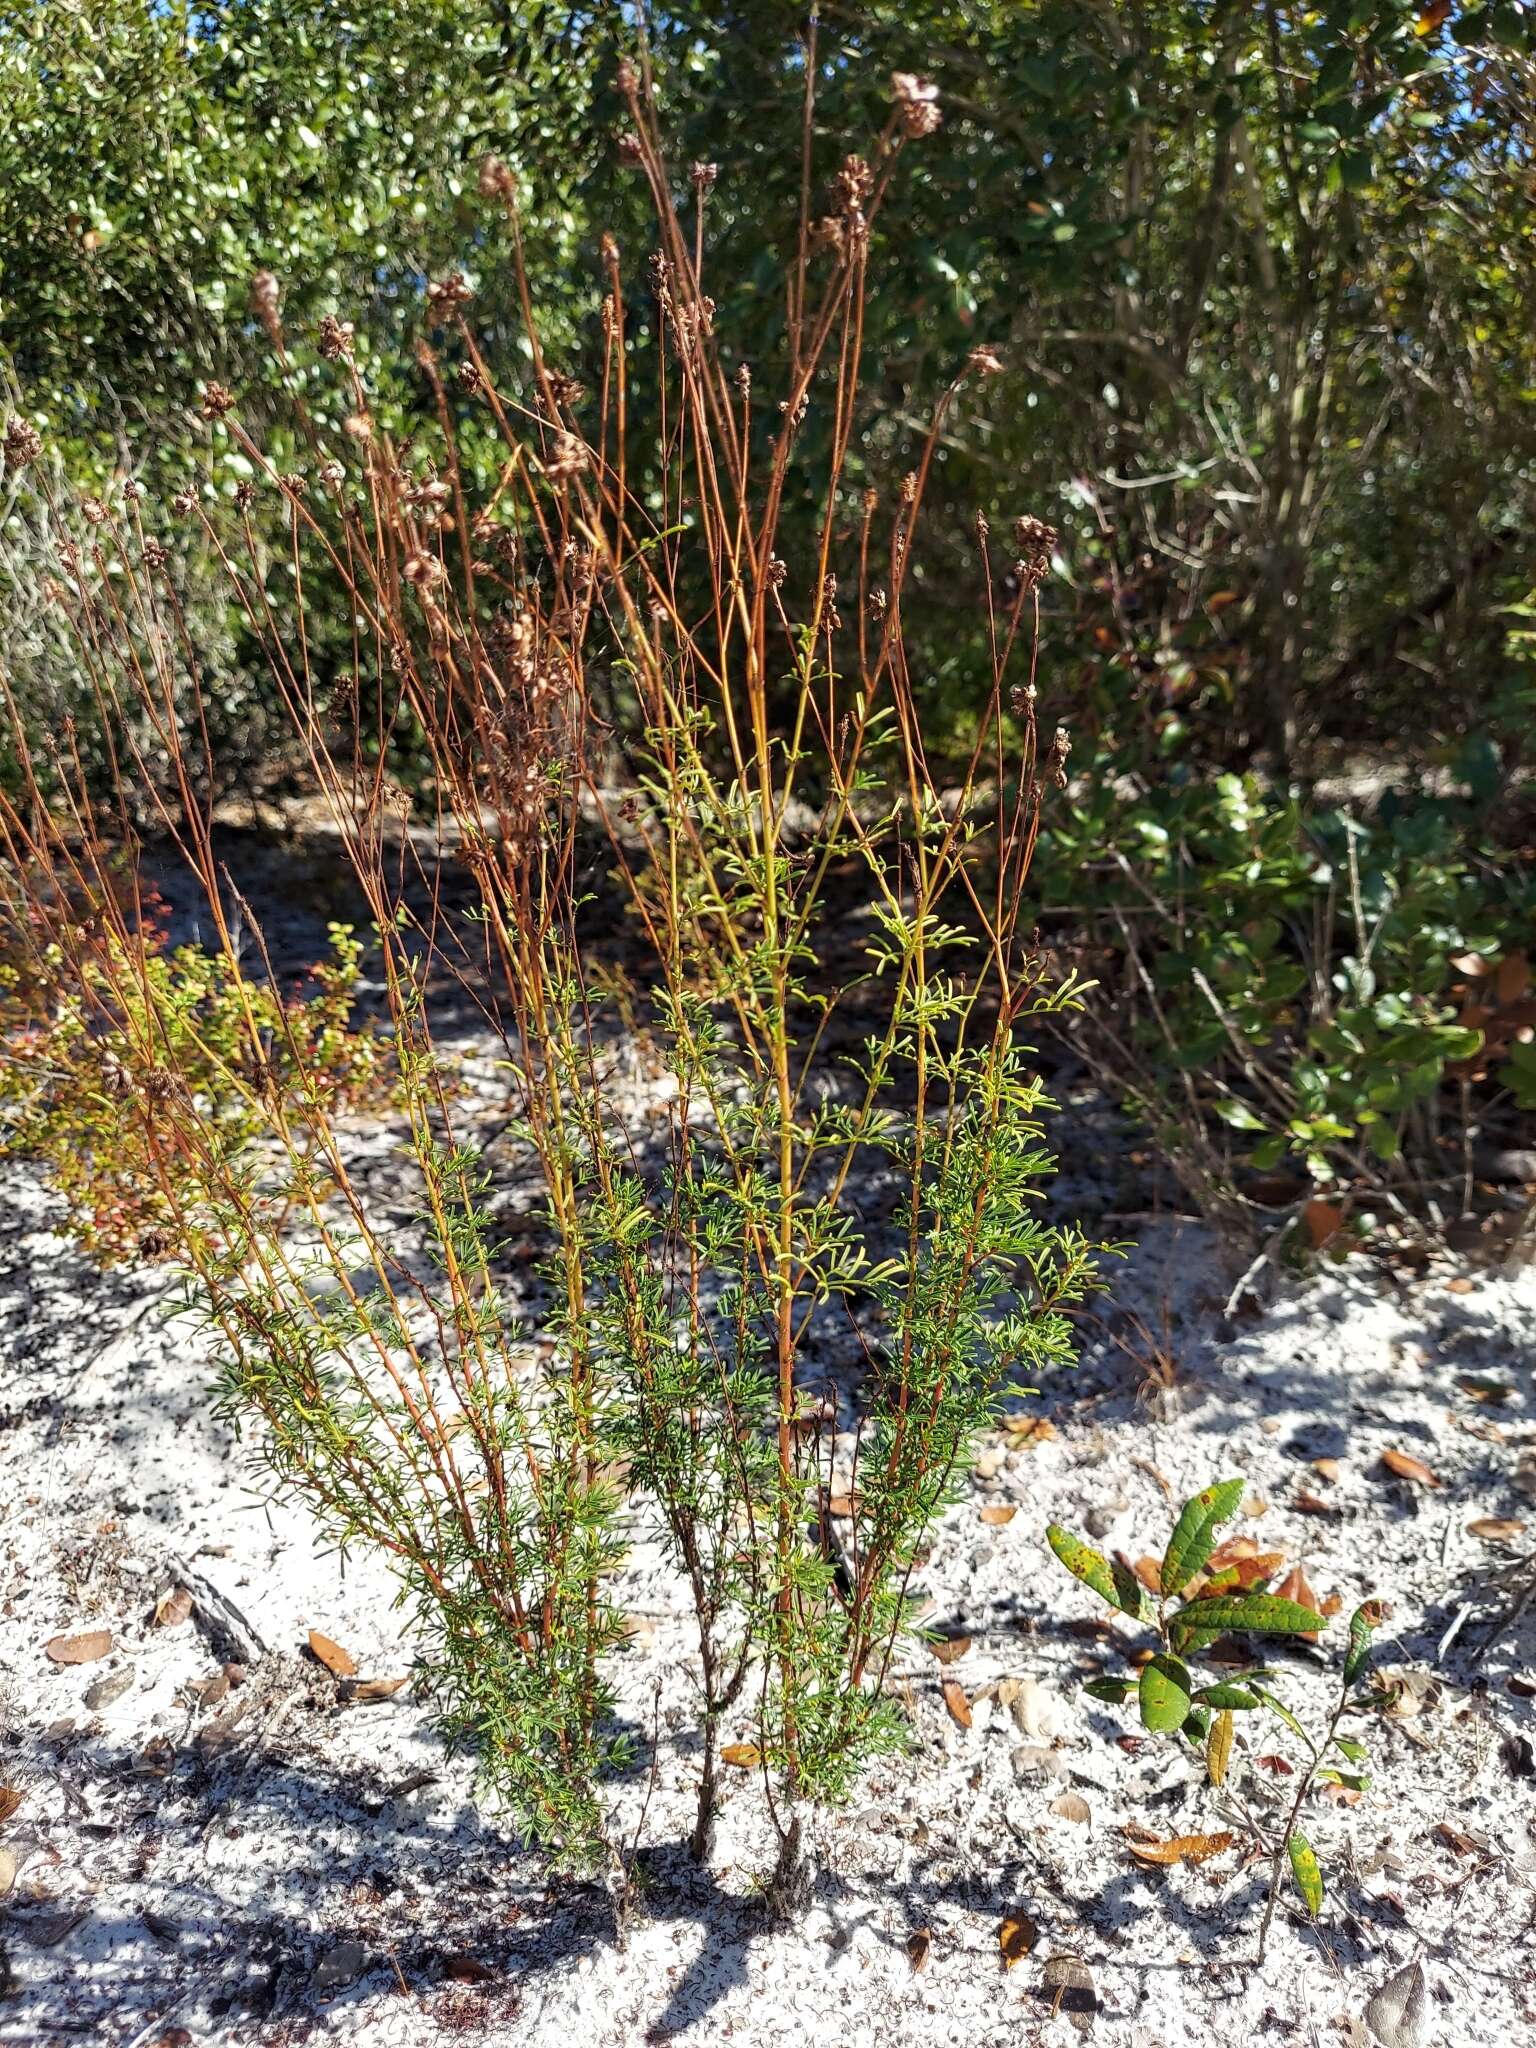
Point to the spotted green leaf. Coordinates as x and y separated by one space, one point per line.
1258 1614
1111 1582
1307 1874
1228 1698
1194 1534
1163 1695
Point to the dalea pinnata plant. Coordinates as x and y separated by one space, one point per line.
795 1240
1197 1605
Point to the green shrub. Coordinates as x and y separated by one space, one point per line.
99 1024
1303 989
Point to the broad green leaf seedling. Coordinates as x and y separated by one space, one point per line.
1204 1598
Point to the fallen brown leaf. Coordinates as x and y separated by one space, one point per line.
1294 1586
959 1706
840 1507
1068 1983
173 1608
467 1969
919 1942
1181 1849
949 1649
1323 1220
219 1730
1016 1937
1454 1839
1489 1393
1029 1430
742 1756
11 1797
1496 1529
339 1662
370 1689
82 1649
998 1517
1402 1466
1308 1504
1150 1572
1330 1469
1513 978
1074 1807
1276 1766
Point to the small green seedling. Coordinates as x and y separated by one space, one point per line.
1193 1608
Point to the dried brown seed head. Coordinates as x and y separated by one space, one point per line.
23 443
496 181
335 338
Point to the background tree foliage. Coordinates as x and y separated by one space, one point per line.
1264 276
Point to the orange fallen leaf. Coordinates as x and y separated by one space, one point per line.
919 1942
1460 1285
742 1756
948 1649
1181 1849
1276 1766
370 1689
1016 1937
1308 1504
1335 1794
339 1662
1496 1529
82 1649
1294 1586
1329 1469
1323 1220
1150 1573
998 1517
1402 1466
959 1706
11 1797
840 1507
1245 1572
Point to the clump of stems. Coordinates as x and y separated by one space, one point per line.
635 715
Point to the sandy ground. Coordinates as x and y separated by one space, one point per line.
268 1862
